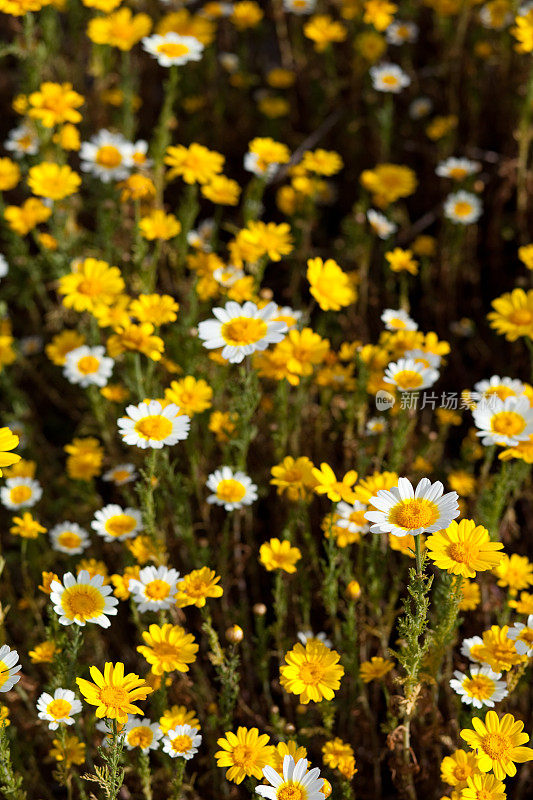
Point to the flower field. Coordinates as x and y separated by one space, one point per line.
266 384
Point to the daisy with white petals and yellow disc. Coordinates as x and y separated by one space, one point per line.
59 708
115 524
241 330
403 510
83 599
150 425
294 783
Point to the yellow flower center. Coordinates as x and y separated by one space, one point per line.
182 743
481 687
460 552
121 474
508 423
82 602
311 672
109 156
69 539
19 494
120 524
408 379
496 745
157 590
91 287
154 427
4 673
463 208
165 650
88 364
230 491
358 518
458 173
389 80
521 316
503 392
527 636
397 322
243 330
141 736
461 773
114 696
173 49
243 755
415 513
58 708
290 791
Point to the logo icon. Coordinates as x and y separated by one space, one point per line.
384 400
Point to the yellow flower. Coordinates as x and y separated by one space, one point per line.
277 554
61 344
368 487
524 605
190 394
498 743
121 582
483 787
439 127
335 751
322 29
22 219
458 768
283 749
464 548
370 45
513 314
93 567
8 441
54 104
94 282
335 490
388 183
102 5
168 648
379 13
115 392
525 254
121 29
521 450
9 174
268 152
137 187
159 309
197 586
246 14
330 286
260 239
47 579
186 24
498 651
178 715
70 750
43 653
402 261
27 527
523 32
53 181
222 191
159 225
223 425
194 164
375 669
136 338
245 753
470 596
514 571
313 672
85 458
322 162
294 477
113 693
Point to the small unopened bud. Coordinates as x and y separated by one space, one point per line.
235 634
260 609
353 590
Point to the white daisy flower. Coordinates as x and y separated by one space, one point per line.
352 517
400 32
8 668
287 315
150 425
252 164
462 207
523 637
115 524
22 141
410 375
308 636
108 156
403 510
70 538
379 223
155 588
20 493
376 425
457 168
495 16
139 152
431 360
59 708
469 646
497 387
504 422
121 474
241 330
142 733
88 366
389 78
182 742
4 266
481 688
228 275
420 107
231 490
200 238
83 599
398 320
299 6
294 781
173 49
